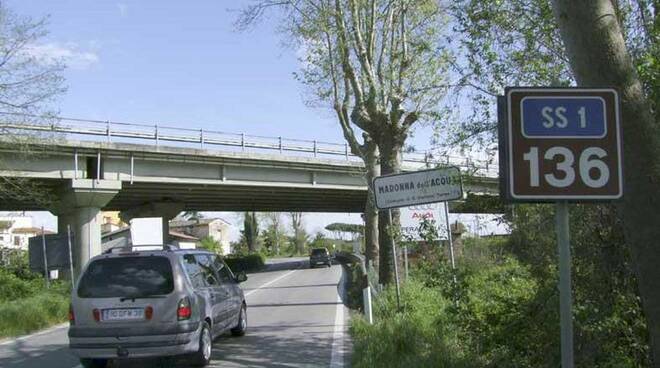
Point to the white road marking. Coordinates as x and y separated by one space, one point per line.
337 357
270 282
42 332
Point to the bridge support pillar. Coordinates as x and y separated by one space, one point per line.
80 208
166 210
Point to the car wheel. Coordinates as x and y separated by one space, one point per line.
202 357
241 327
94 363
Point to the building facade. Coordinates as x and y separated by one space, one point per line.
15 231
216 229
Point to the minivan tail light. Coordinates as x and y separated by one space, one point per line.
184 311
72 317
148 312
97 315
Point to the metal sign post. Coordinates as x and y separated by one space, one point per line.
565 298
43 245
559 145
449 238
405 260
73 277
396 265
451 249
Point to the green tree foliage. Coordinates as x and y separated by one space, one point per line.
380 65
273 236
211 245
25 303
250 233
510 42
609 323
29 84
320 241
598 47
503 43
506 310
300 236
245 262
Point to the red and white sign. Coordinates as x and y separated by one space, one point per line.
413 216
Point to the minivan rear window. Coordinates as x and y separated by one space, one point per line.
127 277
319 251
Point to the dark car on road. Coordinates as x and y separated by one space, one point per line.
320 256
154 303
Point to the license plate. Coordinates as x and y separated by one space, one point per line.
123 314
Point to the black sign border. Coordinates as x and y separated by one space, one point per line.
504 147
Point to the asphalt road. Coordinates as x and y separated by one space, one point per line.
296 318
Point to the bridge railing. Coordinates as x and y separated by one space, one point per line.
160 135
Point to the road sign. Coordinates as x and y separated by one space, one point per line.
412 217
561 144
419 187
416 188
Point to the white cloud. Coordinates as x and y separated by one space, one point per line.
69 53
123 9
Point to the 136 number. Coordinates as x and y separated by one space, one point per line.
586 163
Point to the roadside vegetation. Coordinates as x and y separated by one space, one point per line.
26 304
503 311
245 262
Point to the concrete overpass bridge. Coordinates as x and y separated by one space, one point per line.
143 170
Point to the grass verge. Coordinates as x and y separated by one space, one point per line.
25 315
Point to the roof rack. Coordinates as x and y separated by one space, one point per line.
133 248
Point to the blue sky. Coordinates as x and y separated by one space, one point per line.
180 63
175 63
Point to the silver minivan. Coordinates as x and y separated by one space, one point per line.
132 303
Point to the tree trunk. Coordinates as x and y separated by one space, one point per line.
251 231
298 236
599 57
390 163
370 210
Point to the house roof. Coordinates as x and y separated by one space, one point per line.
172 233
195 222
118 231
182 236
30 230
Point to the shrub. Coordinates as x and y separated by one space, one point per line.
12 287
489 326
422 335
25 315
245 262
211 245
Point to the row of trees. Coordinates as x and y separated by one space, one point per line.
273 236
267 230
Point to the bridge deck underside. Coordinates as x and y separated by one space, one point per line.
241 198
204 197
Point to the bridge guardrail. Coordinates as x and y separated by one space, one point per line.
205 139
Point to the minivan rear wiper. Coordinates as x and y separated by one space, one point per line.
125 298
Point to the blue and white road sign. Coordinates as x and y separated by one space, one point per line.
563 117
